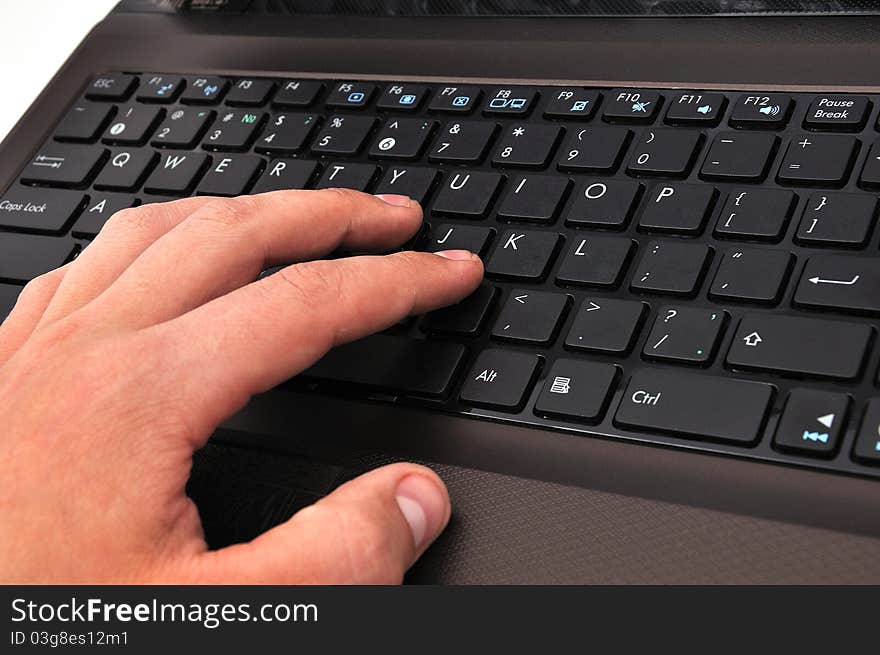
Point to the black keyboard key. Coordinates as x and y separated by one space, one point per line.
752 275
177 173
812 422
572 104
126 170
664 152
837 219
535 198
250 92
500 379
801 346
465 318
351 95
343 135
526 145
631 106
64 165
402 97
593 149
26 256
8 297
516 100
84 122
160 88
595 261
840 282
818 159
606 325
699 406
686 335
391 363
605 203
182 127
100 208
456 99
463 142
347 176
671 267
578 390
447 236
759 214
867 447
411 181
133 125
467 194
286 174
402 138
739 156
233 130
695 108
765 110
531 317
286 134
523 254
231 175
870 178
297 93
111 86
39 210
204 91
678 208
838 113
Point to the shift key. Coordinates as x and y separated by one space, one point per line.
39 210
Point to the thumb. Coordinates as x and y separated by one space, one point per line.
369 531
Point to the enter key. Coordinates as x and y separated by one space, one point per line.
850 284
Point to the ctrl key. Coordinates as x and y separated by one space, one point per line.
867 448
500 379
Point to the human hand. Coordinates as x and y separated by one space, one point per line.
115 368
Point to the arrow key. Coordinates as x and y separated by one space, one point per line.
851 284
531 316
812 422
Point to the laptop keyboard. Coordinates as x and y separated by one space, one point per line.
696 269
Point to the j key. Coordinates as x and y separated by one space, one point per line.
160 88
752 275
523 254
459 237
517 100
767 110
230 176
800 346
760 214
840 282
177 173
739 156
351 95
691 108
8 297
286 174
343 135
402 97
678 208
204 91
534 198
113 86
576 104
456 99
631 106
469 195
841 219
463 142
132 125
609 203
671 267
464 318
699 406
812 422
250 92
39 210
126 170
664 152
867 448
526 145
579 390
402 138
818 159
688 335
347 176
100 208
413 182
870 178
606 326
593 149
838 113
286 133
500 379
182 128
391 363
64 165
233 130
297 93
26 256
595 261
84 122
531 316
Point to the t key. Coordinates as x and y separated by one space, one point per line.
685 334
523 254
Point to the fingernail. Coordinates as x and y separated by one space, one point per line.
423 505
457 255
394 199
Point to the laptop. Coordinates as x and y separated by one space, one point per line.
670 372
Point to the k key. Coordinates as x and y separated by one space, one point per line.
523 254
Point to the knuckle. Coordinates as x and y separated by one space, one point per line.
132 218
312 282
37 287
225 213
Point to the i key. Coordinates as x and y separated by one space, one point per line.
523 254
688 335
527 145
531 316
534 198
841 219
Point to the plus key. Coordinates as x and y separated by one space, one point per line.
818 159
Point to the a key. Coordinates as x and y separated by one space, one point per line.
500 379
100 208
160 88
739 156
758 214
463 142
837 113
132 125
604 203
523 254
456 99
467 194
177 173
447 236
671 267
347 176
414 182
752 275
182 127
465 317
26 256
870 177
595 261
343 135
517 100
664 152
839 219
688 335
286 174
84 122
606 325
798 345
849 284
297 93
572 104
818 159
526 145
250 92
126 170
596 149
230 176
64 165
535 198
678 208
695 108
698 406
531 317
867 447
204 90
577 389
233 130
402 138
351 95
111 86
402 97
8 297
47 211
764 110
286 133
812 422
631 106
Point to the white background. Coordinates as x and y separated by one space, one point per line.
38 36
